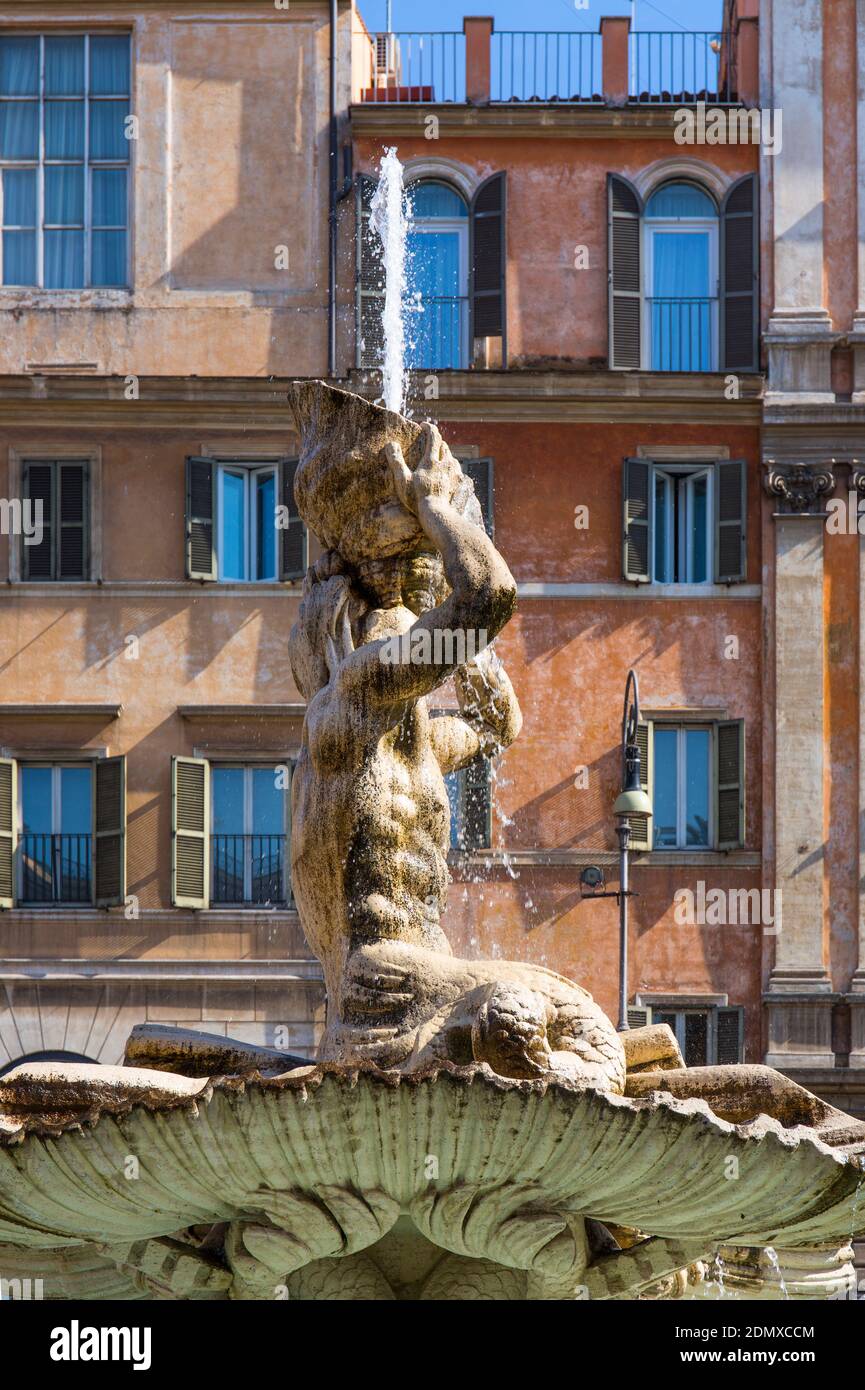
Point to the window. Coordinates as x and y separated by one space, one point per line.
438 273
64 158
242 524
456 277
63 832
56 834
680 289
707 1036
230 833
694 774
683 277
685 523
470 796
58 493
248 841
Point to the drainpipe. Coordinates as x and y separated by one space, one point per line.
332 197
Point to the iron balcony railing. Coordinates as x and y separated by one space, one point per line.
683 333
681 68
557 66
418 67
437 326
248 870
552 66
56 868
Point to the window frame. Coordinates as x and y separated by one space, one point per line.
461 226
649 226
682 729
57 766
248 767
40 163
687 474
250 471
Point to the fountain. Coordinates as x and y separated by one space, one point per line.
473 1129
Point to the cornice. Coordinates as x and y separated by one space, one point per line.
260 403
550 120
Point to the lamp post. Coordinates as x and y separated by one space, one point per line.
631 801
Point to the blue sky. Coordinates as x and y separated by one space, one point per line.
542 14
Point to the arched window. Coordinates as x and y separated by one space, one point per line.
438 277
58 1056
680 280
684 291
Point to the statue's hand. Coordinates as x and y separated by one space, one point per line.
438 476
374 989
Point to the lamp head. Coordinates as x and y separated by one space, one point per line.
632 800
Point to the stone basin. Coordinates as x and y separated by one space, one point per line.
337 1182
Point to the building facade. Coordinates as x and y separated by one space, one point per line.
638 327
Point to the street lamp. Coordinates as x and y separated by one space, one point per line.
631 801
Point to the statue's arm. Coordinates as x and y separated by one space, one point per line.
482 597
489 719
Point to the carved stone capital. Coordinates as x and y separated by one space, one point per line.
857 476
800 486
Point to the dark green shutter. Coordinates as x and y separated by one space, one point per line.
476 797
730 1036
488 258
641 826
369 281
730 783
740 277
624 211
730 520
190 832
72 515
8 829
39 487
637 520
200 519
110 832
481 473
294 550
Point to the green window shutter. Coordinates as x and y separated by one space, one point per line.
481 473
73 510
109 848
730 1036
740 277
190 832
39 560
639 1016
731 504
641 826
637 520
8 829
730 783
200 519
488 259
624 213
369 280
294 549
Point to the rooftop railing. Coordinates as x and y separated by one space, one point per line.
614 67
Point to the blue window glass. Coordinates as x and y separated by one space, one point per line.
64 66
699 530
19 258
228 800
37 800
680 200
64 194
107 129
109 65
697 786
268 802
75 806
265 503
437 329
109 197
19 130
19 66
64 130
19 197
64 260
233 525
665 799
